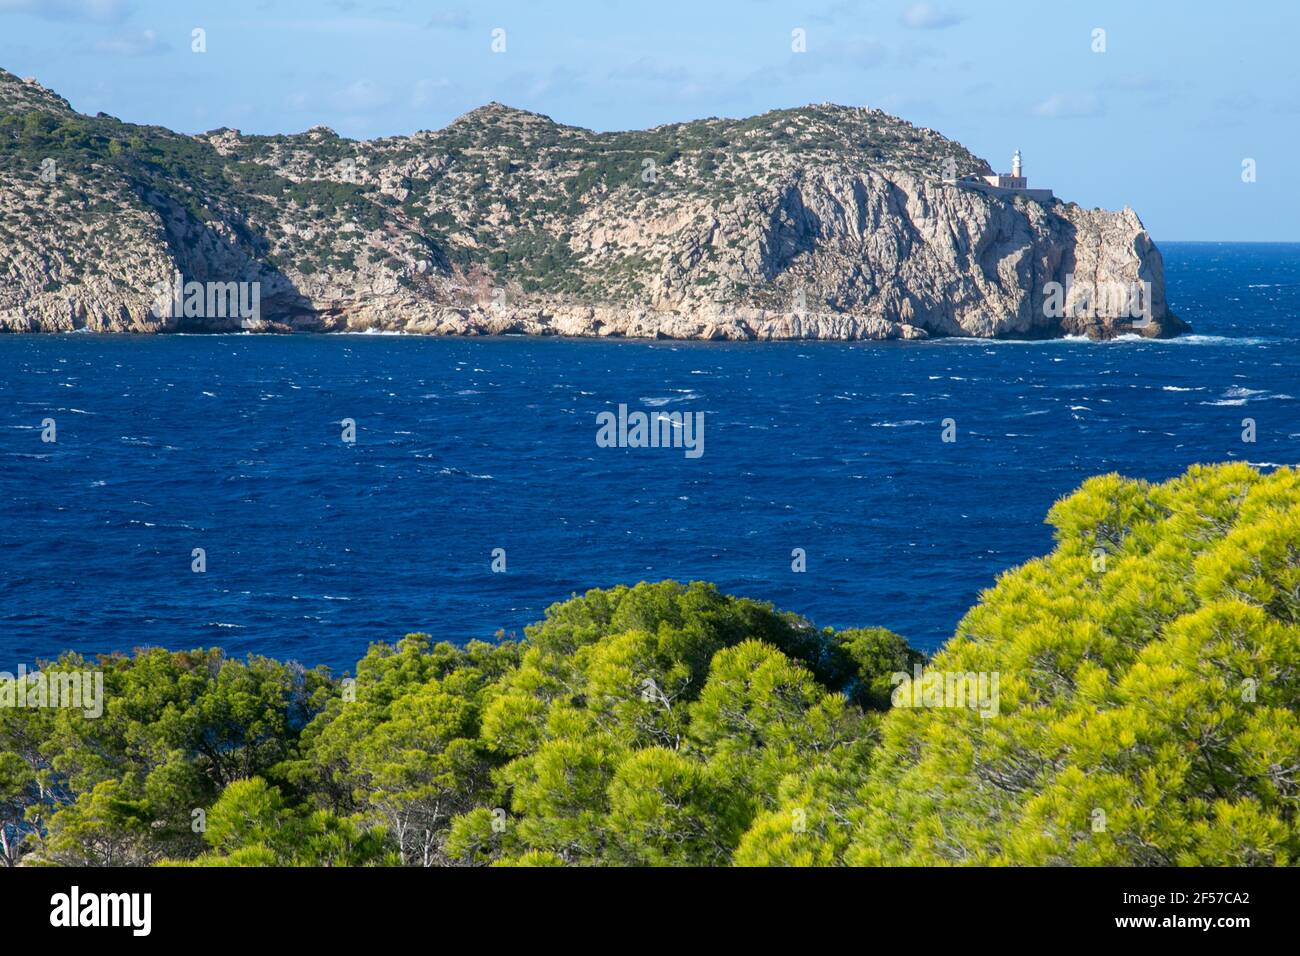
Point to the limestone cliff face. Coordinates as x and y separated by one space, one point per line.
820 223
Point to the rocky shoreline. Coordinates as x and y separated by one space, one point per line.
591 322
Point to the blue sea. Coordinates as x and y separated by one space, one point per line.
316 547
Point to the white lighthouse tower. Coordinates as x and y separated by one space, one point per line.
1012 180
1013 183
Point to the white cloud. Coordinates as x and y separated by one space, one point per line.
1067 105
425 91
145 44
557 80
926 16
1133 82
449 20
102 11
361 96
648 70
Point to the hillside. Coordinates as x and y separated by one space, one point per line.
818 222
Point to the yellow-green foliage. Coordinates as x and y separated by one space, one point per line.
1149 693
653 725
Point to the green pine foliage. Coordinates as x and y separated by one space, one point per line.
1150 693
1147 713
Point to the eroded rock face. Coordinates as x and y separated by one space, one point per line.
821 223
900 250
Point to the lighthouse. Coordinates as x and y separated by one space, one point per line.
1013 183
1012 180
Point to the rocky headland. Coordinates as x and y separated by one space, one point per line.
824 222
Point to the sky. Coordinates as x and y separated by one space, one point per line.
1167 110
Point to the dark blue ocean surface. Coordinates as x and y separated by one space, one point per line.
316 547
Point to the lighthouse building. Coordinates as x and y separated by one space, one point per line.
1012 180
1013 183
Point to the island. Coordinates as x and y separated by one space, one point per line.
822 222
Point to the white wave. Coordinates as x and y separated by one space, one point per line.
659 401
976 340
1201 340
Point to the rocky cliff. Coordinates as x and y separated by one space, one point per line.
820 222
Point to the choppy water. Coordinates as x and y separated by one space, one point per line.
316 547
